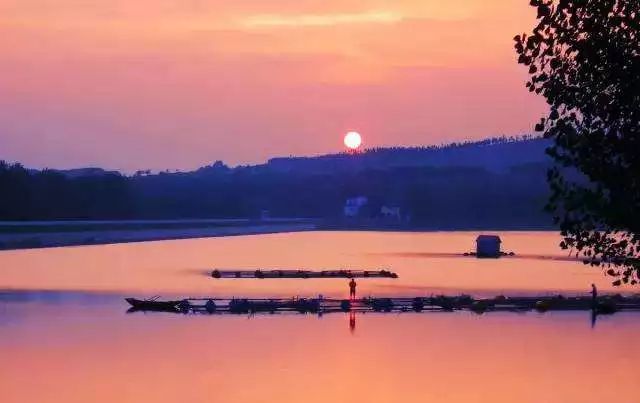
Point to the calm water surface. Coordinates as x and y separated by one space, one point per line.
74 343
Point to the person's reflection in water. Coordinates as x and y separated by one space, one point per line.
352 322
594 305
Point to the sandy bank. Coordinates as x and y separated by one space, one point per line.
94 237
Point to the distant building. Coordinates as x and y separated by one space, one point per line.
390 212
488 246
353 206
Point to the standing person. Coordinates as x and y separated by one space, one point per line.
594 296
352 289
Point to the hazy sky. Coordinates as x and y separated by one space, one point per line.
180 83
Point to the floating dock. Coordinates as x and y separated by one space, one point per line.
337 273
602 305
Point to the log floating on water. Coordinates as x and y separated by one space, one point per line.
338 273
602 305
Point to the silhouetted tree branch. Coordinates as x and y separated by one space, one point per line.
584 58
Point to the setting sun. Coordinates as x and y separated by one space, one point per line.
352 140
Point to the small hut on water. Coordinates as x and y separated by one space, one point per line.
488 246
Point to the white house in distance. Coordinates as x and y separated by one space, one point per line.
353 205
488 246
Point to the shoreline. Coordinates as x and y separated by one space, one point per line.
50 234
39 240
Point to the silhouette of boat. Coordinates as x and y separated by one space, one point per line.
153 305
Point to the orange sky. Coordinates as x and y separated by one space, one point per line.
177 84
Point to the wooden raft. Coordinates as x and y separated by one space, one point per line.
277 273
602 305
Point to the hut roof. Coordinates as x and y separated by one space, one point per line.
494 238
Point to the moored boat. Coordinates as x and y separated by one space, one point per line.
153 305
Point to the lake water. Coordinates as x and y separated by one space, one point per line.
65 336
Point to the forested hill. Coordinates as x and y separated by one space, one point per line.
488 184
494 154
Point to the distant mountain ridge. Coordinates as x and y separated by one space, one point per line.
495 154
83 172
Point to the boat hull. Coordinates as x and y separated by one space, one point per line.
149 305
